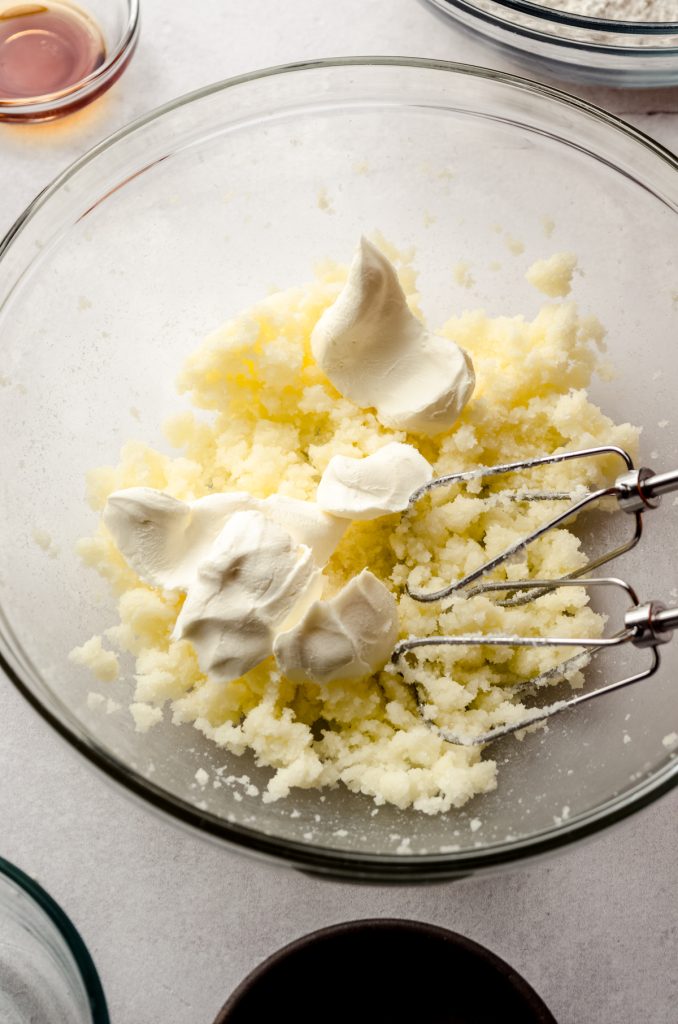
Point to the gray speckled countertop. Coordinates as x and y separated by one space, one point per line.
174 923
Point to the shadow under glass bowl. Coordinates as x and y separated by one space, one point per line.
46 971
569 46
119 25
120 268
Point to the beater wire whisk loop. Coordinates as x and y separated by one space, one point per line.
646 625
636 491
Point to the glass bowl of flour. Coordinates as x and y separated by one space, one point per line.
620 43
246 196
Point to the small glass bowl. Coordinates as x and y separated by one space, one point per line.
595 51
46 972
118 21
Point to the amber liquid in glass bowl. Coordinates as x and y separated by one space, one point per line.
45 48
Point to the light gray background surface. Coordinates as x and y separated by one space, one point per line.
174 923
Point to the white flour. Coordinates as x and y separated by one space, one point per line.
618 10
657 11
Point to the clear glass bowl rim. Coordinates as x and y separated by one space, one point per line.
551 18
70 935
318 859
41 105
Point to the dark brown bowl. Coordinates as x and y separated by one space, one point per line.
385 971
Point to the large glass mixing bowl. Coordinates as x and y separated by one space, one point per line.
155 237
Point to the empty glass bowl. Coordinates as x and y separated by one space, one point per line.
146 244
548 40
46 973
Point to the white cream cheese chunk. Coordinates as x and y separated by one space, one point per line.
350 637
373 486
378 354
256 581
165 540
307 523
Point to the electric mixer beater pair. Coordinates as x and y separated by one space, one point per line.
645 625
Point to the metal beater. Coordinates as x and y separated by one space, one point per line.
636 491
645 625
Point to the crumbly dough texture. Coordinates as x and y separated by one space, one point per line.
553 276
102 663
266 420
